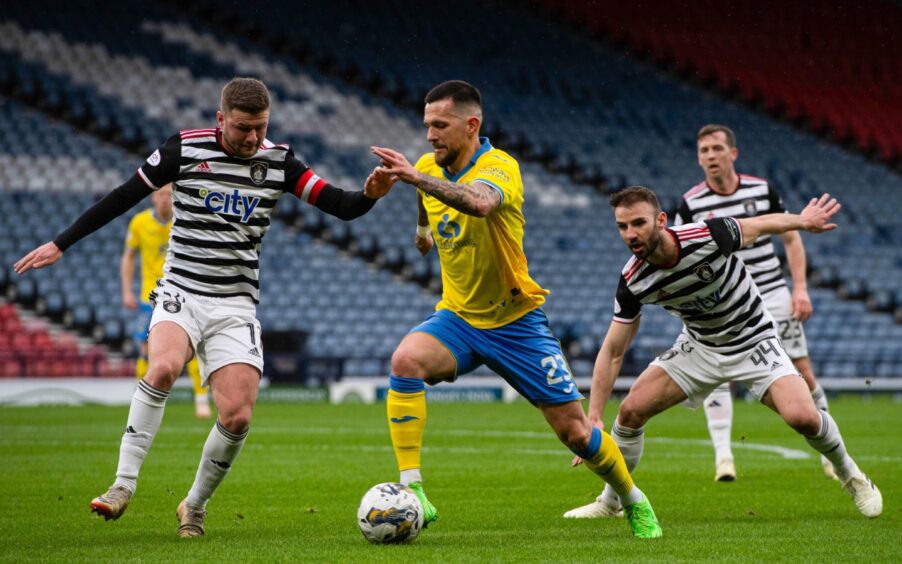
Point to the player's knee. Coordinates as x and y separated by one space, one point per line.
162 373
806 422
407 363
630 416
236 421
575 437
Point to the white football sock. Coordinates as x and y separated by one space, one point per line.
719 411
144 418
220 451
819 397
829 443
412 475
631 443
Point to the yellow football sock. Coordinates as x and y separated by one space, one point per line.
141 367
609 464
406 423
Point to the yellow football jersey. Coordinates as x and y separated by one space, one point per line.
484 272
151 239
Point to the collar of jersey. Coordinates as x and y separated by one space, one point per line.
153 214
485 147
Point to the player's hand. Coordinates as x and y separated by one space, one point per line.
45 255
424 244
576 461
818 212
801 304
378 183
129 300
396 164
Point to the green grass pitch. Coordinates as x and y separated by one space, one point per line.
500 479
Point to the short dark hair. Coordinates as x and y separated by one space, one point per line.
245 94
714 128
633 195
458 90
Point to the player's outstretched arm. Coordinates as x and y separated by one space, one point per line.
110 207
475 199
814 218
45 255
796 259
607 367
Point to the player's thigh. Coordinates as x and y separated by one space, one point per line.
653 392
439 348
235 385
423 355
529 357
168 349
235 389
790 397
569 422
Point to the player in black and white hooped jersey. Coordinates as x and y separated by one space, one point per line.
728 336
725 193
226 182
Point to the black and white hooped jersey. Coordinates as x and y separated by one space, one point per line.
221 207
753 197
708 288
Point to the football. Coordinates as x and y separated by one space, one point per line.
390 513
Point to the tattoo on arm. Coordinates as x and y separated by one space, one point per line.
422 216
477 199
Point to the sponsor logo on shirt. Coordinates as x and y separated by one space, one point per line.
230 204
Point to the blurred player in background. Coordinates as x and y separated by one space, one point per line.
227 182
148 235
470 196
724 193
728 335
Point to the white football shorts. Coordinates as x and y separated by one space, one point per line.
222 331
698 370
789 329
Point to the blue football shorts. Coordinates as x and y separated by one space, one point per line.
142 322
525 353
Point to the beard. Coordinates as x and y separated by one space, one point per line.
449 158
240 150
654 241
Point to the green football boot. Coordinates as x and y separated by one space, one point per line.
643 521
430 513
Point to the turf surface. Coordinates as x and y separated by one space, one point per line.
498 476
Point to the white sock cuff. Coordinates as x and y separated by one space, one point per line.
230 437
626 432
826 422
148 395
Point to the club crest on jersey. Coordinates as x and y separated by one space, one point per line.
751 208
705 272
448 229
258 171
230 204
172 306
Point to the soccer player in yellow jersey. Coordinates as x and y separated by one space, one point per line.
470 196
148 235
